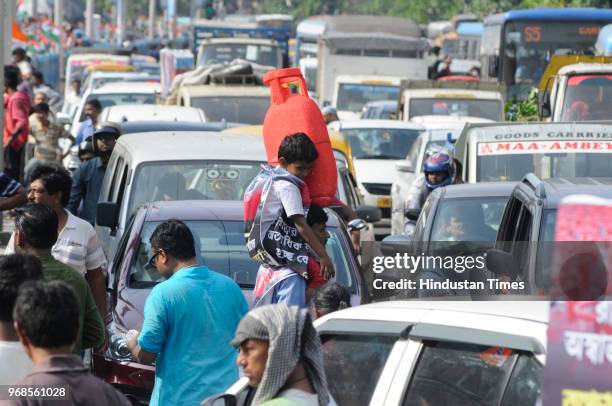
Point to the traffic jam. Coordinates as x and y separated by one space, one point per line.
259 209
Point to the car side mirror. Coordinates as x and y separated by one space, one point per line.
404 166
370 214
502 263
63 119
107 214
356 225
544 104
225 399
493 66
412 214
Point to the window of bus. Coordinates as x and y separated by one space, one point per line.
353 96
587 98
530 45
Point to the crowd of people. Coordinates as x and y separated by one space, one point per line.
54 273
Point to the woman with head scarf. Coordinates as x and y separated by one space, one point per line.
280 354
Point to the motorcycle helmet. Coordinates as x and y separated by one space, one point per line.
439 163
106 129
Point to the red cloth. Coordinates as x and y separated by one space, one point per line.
315 279
16 115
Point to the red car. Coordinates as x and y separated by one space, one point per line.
219 230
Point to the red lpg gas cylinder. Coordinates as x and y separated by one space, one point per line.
292 111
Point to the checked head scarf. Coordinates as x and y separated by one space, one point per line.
292 339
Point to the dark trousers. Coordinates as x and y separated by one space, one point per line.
12 162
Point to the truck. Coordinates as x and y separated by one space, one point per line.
207 29
368 45
455 98
576 88
265 52
353 92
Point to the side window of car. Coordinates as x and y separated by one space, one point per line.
346 357
459 374
348 190
507 229
521 239
419 229
524 387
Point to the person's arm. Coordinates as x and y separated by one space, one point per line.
77 190
93 328
149 342
19 198
327 267
97 283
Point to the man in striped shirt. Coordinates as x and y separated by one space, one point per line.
77 244
12 192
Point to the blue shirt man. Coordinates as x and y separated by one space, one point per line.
189 322
86 129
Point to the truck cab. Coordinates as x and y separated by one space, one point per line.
454 98
353 92
266 52
577 92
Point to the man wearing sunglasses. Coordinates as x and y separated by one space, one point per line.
189 321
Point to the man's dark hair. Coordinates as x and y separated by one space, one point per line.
15 269
41 108
331 297
47 314
316 215
19 51
54 179
11 77
38 223
95 103
298 147
38 75
175 238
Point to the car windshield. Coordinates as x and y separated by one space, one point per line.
511 161
191 180
222 248
587 98
268 55
234 109
489 109
473 219
380 143
353 96
119 99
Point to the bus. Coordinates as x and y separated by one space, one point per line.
517 45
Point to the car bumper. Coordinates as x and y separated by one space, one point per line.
134 380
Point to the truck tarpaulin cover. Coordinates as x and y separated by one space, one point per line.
374 41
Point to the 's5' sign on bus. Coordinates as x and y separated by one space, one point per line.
532 33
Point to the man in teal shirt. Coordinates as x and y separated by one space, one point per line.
189 321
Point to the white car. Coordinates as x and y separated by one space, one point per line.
116 93
147 167
411 167
416 353
100 78
152 112
376 146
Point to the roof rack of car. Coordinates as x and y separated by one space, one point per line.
536 184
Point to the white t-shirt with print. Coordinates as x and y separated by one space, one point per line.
283 194
15 362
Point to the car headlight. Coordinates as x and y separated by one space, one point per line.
118 348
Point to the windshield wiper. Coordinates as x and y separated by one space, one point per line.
381 156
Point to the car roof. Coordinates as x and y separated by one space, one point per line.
350 124
131 127
181 113
382 103
127 87
188 145
227 210
217 90
586 68
436 122
554 190
485 189
450 93
525 320
112 74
